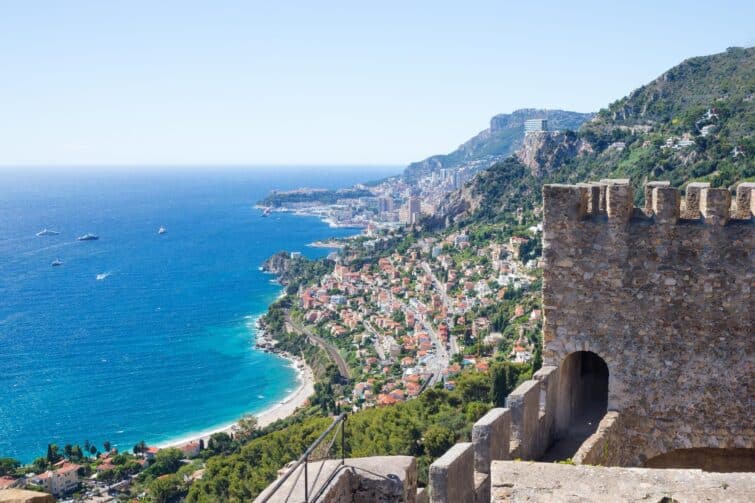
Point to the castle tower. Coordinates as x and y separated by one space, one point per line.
649 314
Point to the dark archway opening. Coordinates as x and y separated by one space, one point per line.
707 459
582 402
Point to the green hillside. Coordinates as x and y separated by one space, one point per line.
693 123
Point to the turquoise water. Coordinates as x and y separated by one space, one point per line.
160 346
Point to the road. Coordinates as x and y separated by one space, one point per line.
331 350
446 302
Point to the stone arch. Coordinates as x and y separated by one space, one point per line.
583 394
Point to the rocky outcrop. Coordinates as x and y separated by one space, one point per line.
545 151
500 140
277 264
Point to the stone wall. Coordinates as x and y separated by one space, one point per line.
607 446
663 296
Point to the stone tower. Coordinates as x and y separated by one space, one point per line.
648 314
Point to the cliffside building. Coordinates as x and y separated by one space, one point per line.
535 126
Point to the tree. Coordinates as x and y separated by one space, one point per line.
201 444
140 447
93 449
76 453
220 442
537 358
87 446
166 461
52 454
247 425
40 464
437 440
165 489
106 445
501 383
8 466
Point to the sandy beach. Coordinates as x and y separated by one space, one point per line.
281 410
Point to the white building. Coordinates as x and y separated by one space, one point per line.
58 481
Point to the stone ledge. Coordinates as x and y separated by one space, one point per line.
548 482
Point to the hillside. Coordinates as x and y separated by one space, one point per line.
500 140
695 122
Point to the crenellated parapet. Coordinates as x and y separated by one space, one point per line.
612 200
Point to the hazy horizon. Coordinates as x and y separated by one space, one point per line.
240 83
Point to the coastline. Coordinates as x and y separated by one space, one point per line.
281 410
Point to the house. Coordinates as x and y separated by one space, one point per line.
191 449
59 481
150 452
8 482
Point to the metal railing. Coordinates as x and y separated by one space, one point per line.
319 450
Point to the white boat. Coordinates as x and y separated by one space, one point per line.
47 232
88 237
57 262
162 230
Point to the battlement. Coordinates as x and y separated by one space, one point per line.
612 200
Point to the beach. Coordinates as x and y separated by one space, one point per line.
281 410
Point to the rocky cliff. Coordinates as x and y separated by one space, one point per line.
544 152
504 136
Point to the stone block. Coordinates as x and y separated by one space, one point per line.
692 199
745 200
649 186
666 205
452 476
524 404
563 203
619 202
715 205
490 437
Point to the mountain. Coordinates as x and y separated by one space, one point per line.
500 140
695 122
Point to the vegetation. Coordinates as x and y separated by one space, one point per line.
424 428
315 196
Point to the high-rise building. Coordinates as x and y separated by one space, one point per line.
413 210
535 126
385 203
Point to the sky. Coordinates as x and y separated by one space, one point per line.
291 83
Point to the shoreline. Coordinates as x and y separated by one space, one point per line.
281 410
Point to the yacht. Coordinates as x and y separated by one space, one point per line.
162 230
47 232
57 262
88 237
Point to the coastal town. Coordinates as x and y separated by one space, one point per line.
405 322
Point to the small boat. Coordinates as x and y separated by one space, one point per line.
162 230
57 262
88 237
266 212
47 232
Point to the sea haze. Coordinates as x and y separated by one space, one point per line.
140 336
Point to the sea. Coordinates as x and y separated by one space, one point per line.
139 335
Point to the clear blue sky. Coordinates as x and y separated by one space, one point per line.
167 82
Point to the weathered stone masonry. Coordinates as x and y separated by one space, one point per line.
665 301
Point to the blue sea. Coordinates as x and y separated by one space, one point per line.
140 336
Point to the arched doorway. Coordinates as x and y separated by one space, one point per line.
582 402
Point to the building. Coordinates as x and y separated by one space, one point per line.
58 481
535 126
413 210
385 204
